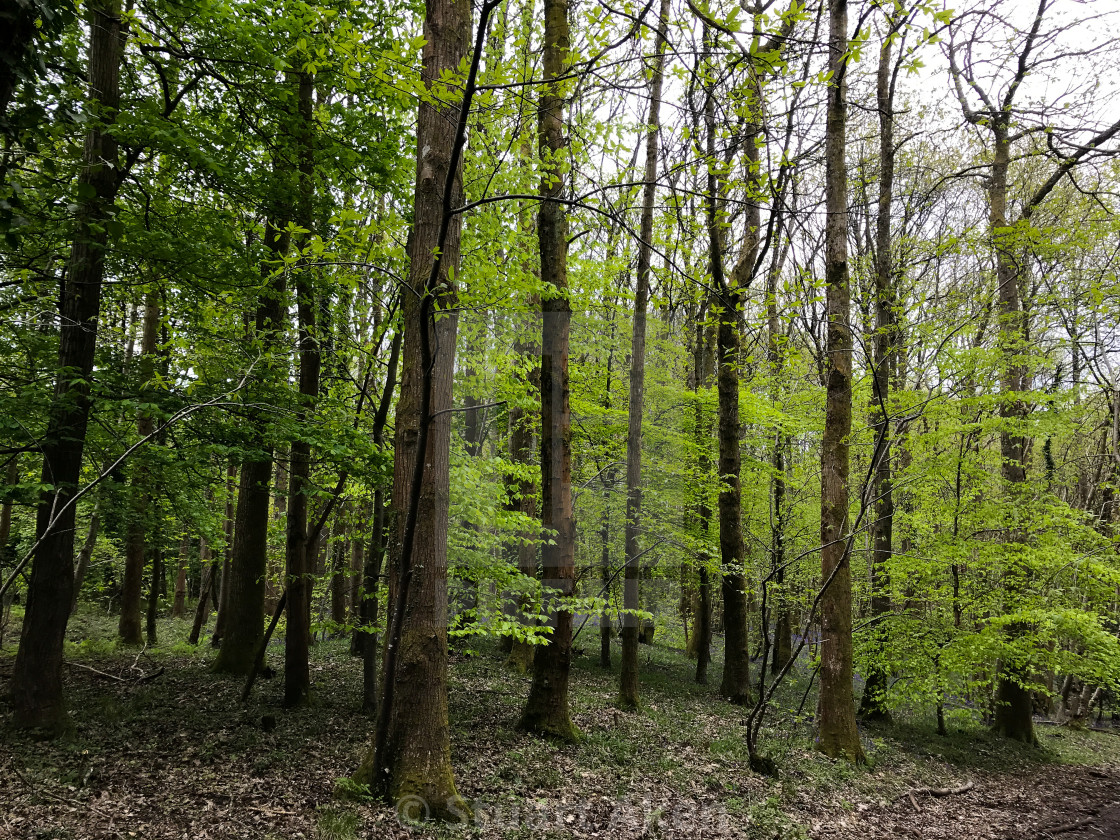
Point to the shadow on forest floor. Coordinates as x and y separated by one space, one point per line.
177 755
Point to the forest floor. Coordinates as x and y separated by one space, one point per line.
161 748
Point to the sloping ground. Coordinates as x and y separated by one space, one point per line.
172 754
1072 803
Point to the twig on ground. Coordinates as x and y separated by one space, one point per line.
1068 827
952 791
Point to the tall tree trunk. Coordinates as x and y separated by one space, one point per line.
628 679
736 684
297 674
837 735
243 588
522 492
703 363
782 645
546 709
36 684
136 538
411 754
1013 708
873 704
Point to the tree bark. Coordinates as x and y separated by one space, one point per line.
703 363
202 608
546 709
523 498
873 704
736 684
36 683
628 679
1013 707
411 754
297 674
837 735
782 645
371 570
136 538
243 588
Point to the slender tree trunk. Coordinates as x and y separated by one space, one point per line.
782 645
219 581
354 582
628 679
179 606
371 578
36 683
136 539
837 735
371 571
546 709
873 705
522 495
339 552
605 575
703 363
85 555
152 612
736 684
202 608
297 674
11 479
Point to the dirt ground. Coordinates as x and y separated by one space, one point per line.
162 749
1071 803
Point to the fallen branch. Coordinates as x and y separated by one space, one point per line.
954 791
1068 827
932 791
151 675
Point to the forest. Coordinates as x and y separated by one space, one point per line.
575 418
